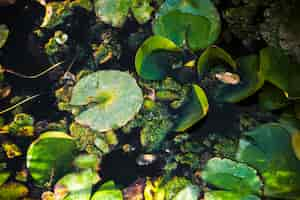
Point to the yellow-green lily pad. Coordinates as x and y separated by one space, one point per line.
4 32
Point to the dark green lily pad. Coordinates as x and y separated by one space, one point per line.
78 185
155 58
193 111
279 71
233 176
251 80
50 156
191 23
4 32
268 148
211 55
226 195
272 98
112 98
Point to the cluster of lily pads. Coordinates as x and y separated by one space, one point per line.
159 103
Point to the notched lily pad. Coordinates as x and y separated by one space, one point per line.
155 58
269 149
191 23
111 99
50 156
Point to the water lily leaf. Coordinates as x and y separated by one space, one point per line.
191 192
268 148
194 110
154 59
4 175
108 192
50 156
251 80
142 10
4 32
13 191
230 175
209 56
77 185
112 12
279 71
226 195
112 98
272 98
87 161
191 23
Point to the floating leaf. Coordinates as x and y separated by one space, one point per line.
226 195
112 12
188 22
142 10
268 148
279 71
272 98
4 32
154 59
4 175
191 192
113 98
87 161
13 191
77 185
211 55
194 110
251 80
108 193
50 156
230 175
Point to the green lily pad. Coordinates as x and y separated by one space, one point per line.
154 59
268 148
251 80
194 110
108 192
272 98
112 12
233 176
112 98
87 161
50 156
191 23
142 10
78 185
191 192
226 195
211 55
279 71
4 32
4 175
13 191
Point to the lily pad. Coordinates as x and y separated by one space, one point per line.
154 59
50 156
191 192
4 175
279 71
142 10
77 185
4 32
13 191
251 80
191 23
268 148
112 98
108 192
226 195
194 110
233 176
272 98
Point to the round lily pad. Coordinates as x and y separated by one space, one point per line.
191 23
50 157
110 99
154 59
